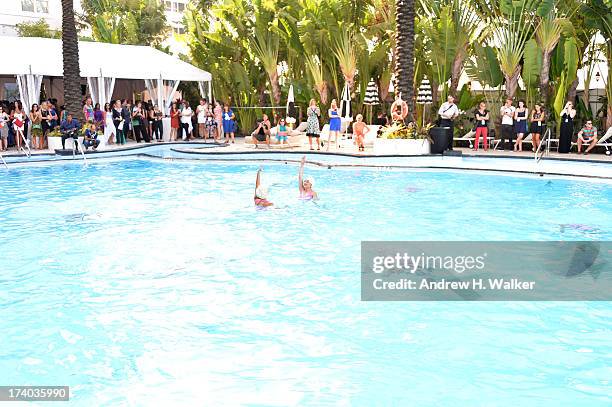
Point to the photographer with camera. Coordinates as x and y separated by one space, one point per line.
262 132
69 129
91 137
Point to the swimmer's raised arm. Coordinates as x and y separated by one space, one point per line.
301 174
257 180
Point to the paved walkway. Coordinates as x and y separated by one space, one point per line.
240 146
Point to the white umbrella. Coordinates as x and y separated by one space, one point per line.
290 110
371 97
424 96
371 94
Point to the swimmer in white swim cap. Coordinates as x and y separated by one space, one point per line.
261 193
305 185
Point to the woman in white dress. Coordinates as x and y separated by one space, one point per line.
18 124
109 126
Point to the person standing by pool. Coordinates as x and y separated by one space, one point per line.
282 134
448 112
186 125
88 110
4 127
37 132
109 126
481 117
46 120
218 113
335 123
18 118
174 121
507 123
119 122
567 128
201 111
536 128
158 124
305 185
139 123
312 130
520 124
261 194
359 131
229 126
126 113
588 135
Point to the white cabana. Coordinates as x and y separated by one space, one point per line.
101 63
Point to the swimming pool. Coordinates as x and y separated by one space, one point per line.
141 282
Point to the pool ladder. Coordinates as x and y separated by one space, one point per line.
545 141
3 162
77 146
28 153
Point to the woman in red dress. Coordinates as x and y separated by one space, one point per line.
174 121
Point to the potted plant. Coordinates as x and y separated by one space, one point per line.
398 138
54 139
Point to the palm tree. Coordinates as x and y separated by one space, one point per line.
404 51
70 52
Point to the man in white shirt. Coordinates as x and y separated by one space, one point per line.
186 125
507 123
201 111
448 112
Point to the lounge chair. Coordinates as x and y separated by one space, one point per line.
469 137
325 132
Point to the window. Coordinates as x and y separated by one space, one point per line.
42 6
178 30
174 6
27 5
35 6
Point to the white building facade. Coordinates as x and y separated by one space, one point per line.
13 12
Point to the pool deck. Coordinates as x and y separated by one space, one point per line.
595 167
240 146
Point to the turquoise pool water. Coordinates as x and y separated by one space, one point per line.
142 282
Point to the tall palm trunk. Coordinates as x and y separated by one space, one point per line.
456 70
545 77
404 40
70 51
512 82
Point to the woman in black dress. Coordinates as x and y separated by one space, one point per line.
537 126
567 128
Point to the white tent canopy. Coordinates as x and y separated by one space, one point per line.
101 63
43 56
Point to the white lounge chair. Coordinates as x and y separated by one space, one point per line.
604 141
469 137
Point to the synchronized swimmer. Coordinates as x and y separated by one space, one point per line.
305 187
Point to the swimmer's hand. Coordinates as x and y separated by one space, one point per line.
260 169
